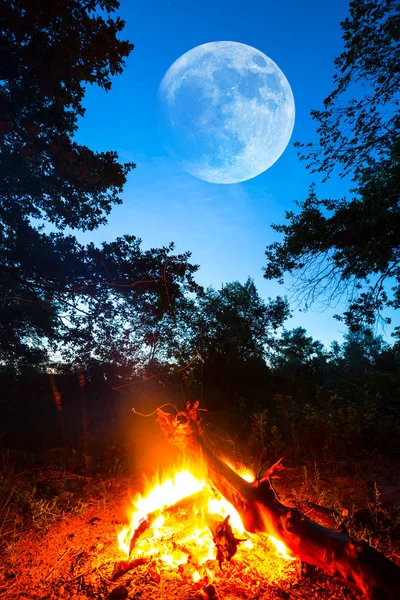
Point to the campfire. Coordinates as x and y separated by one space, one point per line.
203 528
210 521
181 523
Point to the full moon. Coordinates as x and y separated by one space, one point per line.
227 112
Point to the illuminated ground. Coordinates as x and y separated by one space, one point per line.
74 559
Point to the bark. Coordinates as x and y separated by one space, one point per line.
354 563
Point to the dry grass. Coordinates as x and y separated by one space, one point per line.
58 533
74 559
362 498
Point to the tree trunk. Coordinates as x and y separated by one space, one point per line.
354 563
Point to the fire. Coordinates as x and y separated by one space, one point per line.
244 472
161 496
170 526
281 548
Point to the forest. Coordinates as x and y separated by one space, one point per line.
95 338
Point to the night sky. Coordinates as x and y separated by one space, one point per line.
226 227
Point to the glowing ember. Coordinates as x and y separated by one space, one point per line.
170 526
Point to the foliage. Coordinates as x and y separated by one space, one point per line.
133 314
55 293
358 133
360 352
236 320
358 127
49 53
298 355
344 401
345 417
232 330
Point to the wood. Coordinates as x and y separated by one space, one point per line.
353 563
123 566
182 505
223 537
141 529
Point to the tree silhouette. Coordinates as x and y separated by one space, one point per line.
49 53
298 355
235 320
351 246
233 330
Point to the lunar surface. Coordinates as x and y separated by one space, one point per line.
227 112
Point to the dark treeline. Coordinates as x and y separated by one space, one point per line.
279 391
78 320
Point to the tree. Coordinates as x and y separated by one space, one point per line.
360 351
298 355
233 331
132 307
235 321
49 52
352 247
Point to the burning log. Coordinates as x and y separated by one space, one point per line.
143 527
353 563
149 520
224 540
123 566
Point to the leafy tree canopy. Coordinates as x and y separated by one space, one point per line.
56 294
49 52
235 321
360 351
351 246
297 354
233 329
131 306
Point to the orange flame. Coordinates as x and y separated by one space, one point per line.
174 531
243 472
281 548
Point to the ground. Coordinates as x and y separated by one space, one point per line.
72 556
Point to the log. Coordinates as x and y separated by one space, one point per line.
145 525
353 563
123 566
224 540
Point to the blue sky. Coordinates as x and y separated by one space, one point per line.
226 227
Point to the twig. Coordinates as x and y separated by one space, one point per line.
92 570
7 587
5 518
197 355
57 565
296 595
